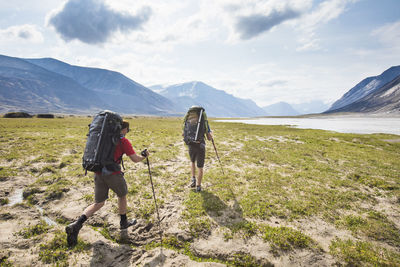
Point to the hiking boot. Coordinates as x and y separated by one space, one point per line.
198 188
127 223
72 233
193 183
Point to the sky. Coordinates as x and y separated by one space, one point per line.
269 51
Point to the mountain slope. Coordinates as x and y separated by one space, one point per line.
25 86
216 102
125 95
365 87
384 100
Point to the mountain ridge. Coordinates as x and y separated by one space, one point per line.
217 102
51 85
385 99
367 86
23 84
111 86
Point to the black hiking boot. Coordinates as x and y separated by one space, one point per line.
193 183
198 188
126 223
72 233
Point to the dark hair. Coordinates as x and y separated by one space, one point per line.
125 124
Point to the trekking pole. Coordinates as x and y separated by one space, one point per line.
198 125
216 152
154 195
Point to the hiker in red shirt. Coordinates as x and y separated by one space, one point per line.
103 182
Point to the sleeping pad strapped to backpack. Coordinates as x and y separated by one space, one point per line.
194 128
104 135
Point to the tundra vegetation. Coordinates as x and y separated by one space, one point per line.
293 191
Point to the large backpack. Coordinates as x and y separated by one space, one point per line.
104 135
194 129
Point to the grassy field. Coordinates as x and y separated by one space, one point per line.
280 186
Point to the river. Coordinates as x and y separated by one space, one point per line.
342 124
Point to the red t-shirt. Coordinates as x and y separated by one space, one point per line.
123 147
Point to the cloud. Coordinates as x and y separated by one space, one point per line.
389 35
93 22
22 32
272 83
252 26
308 24
248 19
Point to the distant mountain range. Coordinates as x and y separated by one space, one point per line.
378 94
280 109
48 85
216 102
286 109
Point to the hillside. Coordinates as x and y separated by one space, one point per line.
25 86
49 85
366 87
386 99
125 95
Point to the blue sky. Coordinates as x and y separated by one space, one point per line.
269 51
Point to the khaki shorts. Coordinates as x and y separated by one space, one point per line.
103 183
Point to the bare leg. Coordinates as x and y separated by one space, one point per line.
193 166
200 177
122 205
89 211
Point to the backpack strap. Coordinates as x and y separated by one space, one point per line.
122 163
120 158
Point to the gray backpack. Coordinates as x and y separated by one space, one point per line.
103 137
194 128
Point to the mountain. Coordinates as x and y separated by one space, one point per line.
28 87
217 103
366 87
280 109
122 93
386 99
311 107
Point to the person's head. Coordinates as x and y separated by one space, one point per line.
125 127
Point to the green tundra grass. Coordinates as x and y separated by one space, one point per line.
274 176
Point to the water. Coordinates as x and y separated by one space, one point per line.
17 197
360 125
45 218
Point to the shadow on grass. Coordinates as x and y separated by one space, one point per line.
223 214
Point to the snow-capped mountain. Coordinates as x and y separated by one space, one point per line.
217 103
